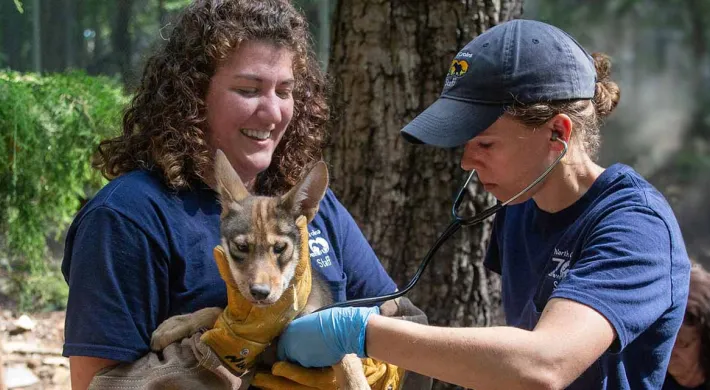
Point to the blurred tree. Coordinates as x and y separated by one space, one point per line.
53 48
319 14
661 54
36 38
389 60
104 37
14 30
121 39
69 34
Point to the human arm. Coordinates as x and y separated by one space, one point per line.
83 369
567 340
621 276
116 283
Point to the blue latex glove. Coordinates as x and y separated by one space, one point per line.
322 339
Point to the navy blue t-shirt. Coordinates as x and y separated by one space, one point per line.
618 250
139 253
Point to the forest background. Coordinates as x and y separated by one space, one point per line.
68 67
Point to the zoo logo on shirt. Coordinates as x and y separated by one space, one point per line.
562 259
319 249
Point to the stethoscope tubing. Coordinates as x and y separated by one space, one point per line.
453 227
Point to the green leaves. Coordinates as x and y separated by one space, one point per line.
176 5
49 128
18 5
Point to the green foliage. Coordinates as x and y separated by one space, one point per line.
49 128
18 5
176 5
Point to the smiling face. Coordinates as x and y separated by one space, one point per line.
508 156
250 104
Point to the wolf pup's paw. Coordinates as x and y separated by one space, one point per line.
178 327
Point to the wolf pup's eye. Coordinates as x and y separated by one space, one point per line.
279 248
242 247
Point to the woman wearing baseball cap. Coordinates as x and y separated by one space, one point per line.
594 268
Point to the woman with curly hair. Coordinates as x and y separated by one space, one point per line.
689 366
234 75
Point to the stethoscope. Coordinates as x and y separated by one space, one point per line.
458 221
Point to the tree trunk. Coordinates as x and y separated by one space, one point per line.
388 61
54 23
70 29
14 28
324 31
697 12
121 39
96 52
36 37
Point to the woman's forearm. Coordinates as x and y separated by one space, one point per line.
480 358
83 369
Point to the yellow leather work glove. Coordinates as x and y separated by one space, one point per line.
284 375
243 331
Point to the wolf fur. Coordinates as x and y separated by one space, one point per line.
262 243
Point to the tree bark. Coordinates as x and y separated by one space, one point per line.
36 37
55 23
389 59
16 28
121 39
70 29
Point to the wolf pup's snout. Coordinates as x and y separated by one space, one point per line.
260 291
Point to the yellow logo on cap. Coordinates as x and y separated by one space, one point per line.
458 68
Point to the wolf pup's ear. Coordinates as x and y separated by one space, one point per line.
229 185
304 197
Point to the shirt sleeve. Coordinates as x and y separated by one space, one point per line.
366 277
118 287
623 272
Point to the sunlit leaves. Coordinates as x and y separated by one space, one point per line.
51 127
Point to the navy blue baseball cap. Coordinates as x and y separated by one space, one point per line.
520 61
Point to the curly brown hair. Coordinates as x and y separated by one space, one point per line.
586 115
164 127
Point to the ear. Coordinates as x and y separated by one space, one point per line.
560 127
229 185
304 197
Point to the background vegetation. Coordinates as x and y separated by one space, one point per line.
50 127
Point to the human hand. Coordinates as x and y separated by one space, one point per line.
284 375
322 339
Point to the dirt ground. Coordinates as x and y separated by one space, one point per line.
34 355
